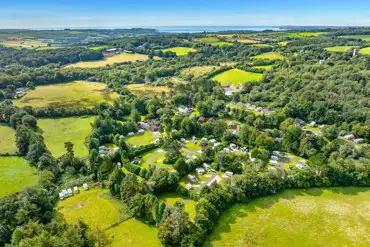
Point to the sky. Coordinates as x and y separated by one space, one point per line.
151 13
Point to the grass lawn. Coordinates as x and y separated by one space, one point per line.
198 71
140 140
154 157
363 37
283 43
7 140
339 48
365 51
15 174
313 217
120 58
143 89
60 130
180 51
236 76
213 41
269 56
172 198
77 94
265 67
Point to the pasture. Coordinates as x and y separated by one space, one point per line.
198 71
7 140
141 140
116 59
339 48
362 37
60 130
213 41
265 67
77 94
365 51
261 45
269 56
180 51
313 217
247 41
283 43
234 77
144 89
15 174
27 43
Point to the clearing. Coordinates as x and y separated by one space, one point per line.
236 76
198 71
7 140
120 58
339 48
313 217
269 56
15 174
180 51
144 89
365 51
77 94
60 130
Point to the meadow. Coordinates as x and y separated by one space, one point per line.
236 76
247 41
261 45
265 67
365 51
7 140
60 130
339 48
198 71
15 174
144 89
77 94
180 51
313 217
29 44
269 56
213 41
362 37
116 59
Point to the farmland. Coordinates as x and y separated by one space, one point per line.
143 89
198 71
339 48
7 140
15 174
213 41
265 67
362 37
236 76
180 51
269 56
77 94
116 59
29 44
365 51
60 130
314 217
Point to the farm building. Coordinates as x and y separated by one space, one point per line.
188 186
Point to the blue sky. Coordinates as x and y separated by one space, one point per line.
124 13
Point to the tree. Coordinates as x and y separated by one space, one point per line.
115 180
29 120
5 235
180 166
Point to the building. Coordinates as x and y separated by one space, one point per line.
184 110
274 162
188 186
313 124
271 169
273 157
140 132
192 178
131 134
200 171
86 187
229 91
119 165
349 137
65 193
359 140
154 124
61 196
70 193
201 119
233 146
229 174
75 189
278 153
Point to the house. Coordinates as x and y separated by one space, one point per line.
274 162
121 136
194 140
271 169
21 90
213 141
86 187
143 125
65 193
184 141
192 178
188 186
75 189
301 122
61 196
141 131
207 167
229 174
200 171
301 166
349 137
232 125
359 140
273 157
70 193
103 148
313 124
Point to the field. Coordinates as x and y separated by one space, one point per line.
213 41
77 94
236 76
25 43
172 198
154 157
247 41
180 51
99 47
61 130
265 67
283 43
339 48
363 37
198 71
143 89
140 140
269 56
7 140
15 174
261 45
365 51
314 217
299 35
121 58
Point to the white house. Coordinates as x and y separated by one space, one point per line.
75 189
200 171
131 134
119 165
278 153
86 187
359 140
183 110
313 124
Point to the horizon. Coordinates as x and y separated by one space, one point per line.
42 14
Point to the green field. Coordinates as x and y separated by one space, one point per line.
180 51
198 71
172 198
265 67
140 140
365 51
283 43
213 41
60 130
314 217
261 45
340 48
7 140
153 157
362 37
29 44
77 94
247 41
144 89
15 174
99 47
299 35
269 56
236 76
